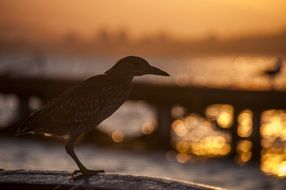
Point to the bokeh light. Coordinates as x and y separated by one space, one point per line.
148 127
117 136
221 113
273 132
194 135
244 151
244 128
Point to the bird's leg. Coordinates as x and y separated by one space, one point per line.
83 171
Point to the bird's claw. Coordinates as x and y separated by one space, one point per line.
79 174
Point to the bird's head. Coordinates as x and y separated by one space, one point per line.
135 66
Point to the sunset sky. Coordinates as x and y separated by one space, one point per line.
179 18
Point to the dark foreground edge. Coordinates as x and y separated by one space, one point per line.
58 180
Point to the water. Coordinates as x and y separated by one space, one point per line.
38 155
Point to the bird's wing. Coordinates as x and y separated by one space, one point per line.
79 104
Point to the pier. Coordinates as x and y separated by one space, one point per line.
162 97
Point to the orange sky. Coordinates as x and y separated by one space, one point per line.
180 18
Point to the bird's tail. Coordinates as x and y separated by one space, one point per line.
26 127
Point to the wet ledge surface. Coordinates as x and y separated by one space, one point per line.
27 179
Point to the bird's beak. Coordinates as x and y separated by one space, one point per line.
155 71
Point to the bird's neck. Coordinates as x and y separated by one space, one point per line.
120 76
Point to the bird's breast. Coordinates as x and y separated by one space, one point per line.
115 96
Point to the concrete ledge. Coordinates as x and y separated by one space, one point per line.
58 180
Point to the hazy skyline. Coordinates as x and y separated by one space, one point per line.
180 19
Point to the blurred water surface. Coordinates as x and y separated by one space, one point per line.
35 155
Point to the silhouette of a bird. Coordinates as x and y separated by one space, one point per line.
82 108
273 72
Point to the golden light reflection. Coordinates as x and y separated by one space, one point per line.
273 132
281 171
274 164
196 135
182 158
117 136
47 134
274 128
211 146
244 128
244 151
179 127
183 146
63 137
222 114
148 127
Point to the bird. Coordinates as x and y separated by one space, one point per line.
82 108
273 72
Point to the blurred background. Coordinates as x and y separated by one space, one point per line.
219 119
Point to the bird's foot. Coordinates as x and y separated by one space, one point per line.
79 174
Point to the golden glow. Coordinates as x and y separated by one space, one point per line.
195 135
273 128
183 146
182 19
222 113
281 171
182 158
66 137
117 136
244 146
244 128
47 134
224 120
211 146
244 151
147 128
63 137
274 164
179 128
273 131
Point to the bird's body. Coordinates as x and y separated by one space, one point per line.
85 106
82 107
